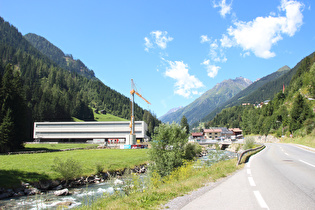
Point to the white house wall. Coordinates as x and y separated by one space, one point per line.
87 130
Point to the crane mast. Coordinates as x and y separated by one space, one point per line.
132 119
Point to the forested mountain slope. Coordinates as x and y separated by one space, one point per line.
48 92
58 56
208 101
287 113
259 91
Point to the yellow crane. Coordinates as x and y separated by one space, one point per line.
133 92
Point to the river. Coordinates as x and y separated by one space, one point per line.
87 194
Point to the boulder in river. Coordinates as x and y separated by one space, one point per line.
61 192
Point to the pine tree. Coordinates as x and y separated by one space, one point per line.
299 113
13 111
184 124
7 133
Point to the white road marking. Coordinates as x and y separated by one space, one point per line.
251 181
260 200
249 172
307 163
286 154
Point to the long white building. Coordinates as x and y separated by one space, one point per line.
81 131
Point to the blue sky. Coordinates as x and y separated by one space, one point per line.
173 50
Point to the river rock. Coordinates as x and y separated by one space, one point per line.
118 181
59 187
31 191
5 195
61 192
45 185
65 203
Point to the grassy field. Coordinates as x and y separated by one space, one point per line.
107 117
35 167
102 117
34 147
160 191
306 141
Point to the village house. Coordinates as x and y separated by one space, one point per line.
218 133
198 135
236 132
212 133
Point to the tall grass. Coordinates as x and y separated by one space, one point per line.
160 190
308 140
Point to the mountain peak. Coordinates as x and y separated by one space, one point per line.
171 111
284 68
208 101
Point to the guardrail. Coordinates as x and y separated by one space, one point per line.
247 151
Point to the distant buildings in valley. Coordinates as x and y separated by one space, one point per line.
218 133
258 105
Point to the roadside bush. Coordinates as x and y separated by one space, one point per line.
68 169
191 150
168 148
249 143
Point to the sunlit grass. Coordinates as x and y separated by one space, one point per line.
308 140
180 182
47 146
34 167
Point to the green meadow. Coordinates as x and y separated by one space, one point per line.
15 169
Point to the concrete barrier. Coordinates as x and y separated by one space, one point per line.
249 150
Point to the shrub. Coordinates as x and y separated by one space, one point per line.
191 150
168 148
68 169
249 143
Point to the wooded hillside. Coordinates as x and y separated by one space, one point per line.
289 112
48 92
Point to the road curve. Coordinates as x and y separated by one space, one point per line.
282 176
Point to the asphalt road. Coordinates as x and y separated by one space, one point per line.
282 176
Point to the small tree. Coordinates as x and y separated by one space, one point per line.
168 148
184 124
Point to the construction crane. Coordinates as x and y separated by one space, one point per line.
132 120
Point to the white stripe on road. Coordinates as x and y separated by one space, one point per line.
251 181
249 172
307 163
260 199
286 154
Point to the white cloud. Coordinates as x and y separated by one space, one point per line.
216 52
260 34
294 16
158 39
245 54
225 8
186 84
147 44
212 70
226 41
204 38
